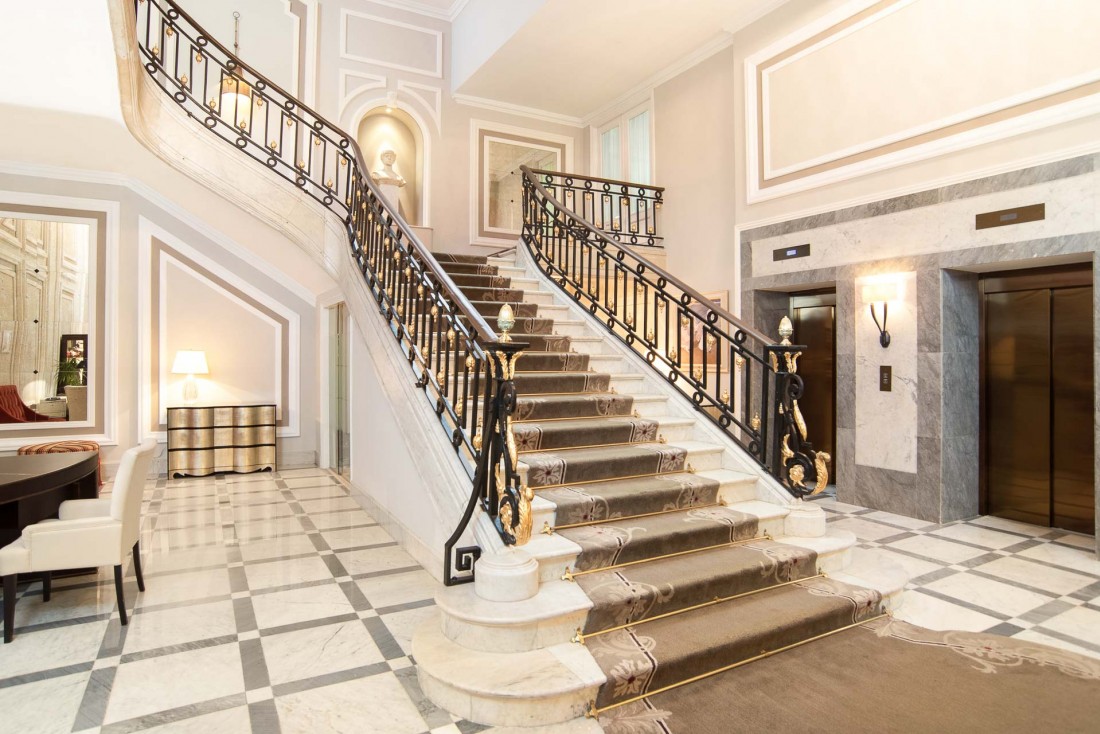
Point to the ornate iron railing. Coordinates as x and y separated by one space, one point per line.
745 382
624 211
462 365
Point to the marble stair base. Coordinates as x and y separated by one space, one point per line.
541 687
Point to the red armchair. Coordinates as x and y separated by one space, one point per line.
14 410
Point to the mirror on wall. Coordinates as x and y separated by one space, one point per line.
500 181
46 305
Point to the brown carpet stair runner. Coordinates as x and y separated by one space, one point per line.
686 592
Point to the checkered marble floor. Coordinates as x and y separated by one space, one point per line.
987 574
273 603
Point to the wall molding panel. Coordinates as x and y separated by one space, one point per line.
431 98
372 29
356 83
870 118
159 251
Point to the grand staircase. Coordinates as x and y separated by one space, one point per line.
674 583
661 557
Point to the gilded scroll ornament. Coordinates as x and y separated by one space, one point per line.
821 466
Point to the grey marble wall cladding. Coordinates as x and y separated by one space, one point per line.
990 184
1071 207
916 450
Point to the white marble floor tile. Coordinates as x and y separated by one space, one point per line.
375 705
329 504
270 548
171 540
317 651
1000 523
1036 635
165 627
310 481
1080 622
257 513
229 721
170 681
864 529
375 559
984 537
285 572
1036 575
322 492
399 588
260 529
928 611
937 549
1085 542
910 523
183 587
992 595
341 519
402 625
43 707
66 603
181 560
355 537
1072 558
51 648
914 567
300 605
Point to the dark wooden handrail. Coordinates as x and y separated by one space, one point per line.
532 176
585 177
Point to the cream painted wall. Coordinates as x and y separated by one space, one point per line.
350 87
1060 141
59 154
695 163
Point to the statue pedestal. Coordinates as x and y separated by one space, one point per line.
390 192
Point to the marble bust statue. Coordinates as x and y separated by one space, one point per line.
386 175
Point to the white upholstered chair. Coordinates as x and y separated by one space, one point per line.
93 532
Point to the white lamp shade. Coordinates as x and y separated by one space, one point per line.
190 362
882 292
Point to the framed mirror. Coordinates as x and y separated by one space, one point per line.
47 311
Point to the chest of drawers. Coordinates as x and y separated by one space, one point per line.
208 439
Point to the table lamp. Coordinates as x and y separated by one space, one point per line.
190 362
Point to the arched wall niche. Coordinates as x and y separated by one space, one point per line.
396 130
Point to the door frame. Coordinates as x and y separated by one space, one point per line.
814 299
1074 275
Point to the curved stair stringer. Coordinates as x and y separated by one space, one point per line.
435 487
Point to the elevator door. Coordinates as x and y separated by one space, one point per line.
814 321
1039 400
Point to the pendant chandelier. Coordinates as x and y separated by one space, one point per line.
236 93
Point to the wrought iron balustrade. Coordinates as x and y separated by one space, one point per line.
624 211
745 382
462 365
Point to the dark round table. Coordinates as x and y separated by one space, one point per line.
33 487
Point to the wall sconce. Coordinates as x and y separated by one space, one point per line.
880 294
190 362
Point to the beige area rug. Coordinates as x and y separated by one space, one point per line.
885 676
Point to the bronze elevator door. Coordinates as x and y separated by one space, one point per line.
1039 402
814 321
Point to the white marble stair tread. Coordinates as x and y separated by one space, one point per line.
676 429
589 344
544 686
651 406
769 516
733 486
549 618
554 553
701 455
834 549
542 511
870 569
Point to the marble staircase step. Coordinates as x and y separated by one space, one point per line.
533 361
551 617
567 407
602 431
490 309
546 686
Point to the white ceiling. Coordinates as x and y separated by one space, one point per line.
573 57
443 9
